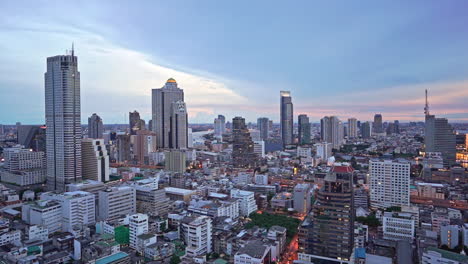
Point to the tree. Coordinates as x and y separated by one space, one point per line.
175 260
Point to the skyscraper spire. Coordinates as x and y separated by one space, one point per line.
426 108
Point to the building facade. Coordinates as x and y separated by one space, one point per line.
95 160
95 126
389 183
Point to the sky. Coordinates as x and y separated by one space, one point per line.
344 58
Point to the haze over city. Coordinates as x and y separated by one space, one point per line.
336 58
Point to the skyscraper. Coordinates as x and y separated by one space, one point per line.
242 147
219 125
262 126
179 123
95 127
95 160
378 126
304 129
440 137
286 119
63 114
332 130
352 127
397 126
333 222
162 110
366 130
135 122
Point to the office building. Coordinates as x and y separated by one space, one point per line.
286 118
263 127
95 126
242 147
324 150
162 111
138 225
44 213
302 198
123 148
332 231
179 124
78 209
247 203
135 122
389 183
63 115
440 137
304 129
396 125
219 126
95 160
352 128
152 201
377 125
331 131
175 161
144 143
398 226
259 148
116 202
23 167
366 130
196 232
32 137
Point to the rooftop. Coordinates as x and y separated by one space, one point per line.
112 258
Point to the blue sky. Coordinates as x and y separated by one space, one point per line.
345 58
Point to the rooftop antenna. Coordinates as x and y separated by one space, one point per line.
426 108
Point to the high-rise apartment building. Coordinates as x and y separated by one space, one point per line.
332 232
378 124
179 123
63 115
242 147
196 232
116 202
219 125
95 126
304 129
95 160
389 183
163 110
352 128
366 130
263 127
331 130
286 118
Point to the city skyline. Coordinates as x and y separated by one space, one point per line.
331 67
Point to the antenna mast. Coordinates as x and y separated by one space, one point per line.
426 108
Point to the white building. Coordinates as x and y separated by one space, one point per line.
116 202
197 235
324 150
259 148
37 232
439 256
23 166
219 126
304 152
398 226
389 183
254 252
63 121
352 128
138 225
11 237
243 178
247 203
261 179
302 198
449 235
229 208
95 160
43 213
78 208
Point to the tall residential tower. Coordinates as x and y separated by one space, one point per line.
286 119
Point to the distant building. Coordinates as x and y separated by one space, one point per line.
302 198
377 125
398 226
259 148
253 252
324 150
179 125
247 203
32 137
152 201
352 128
286 118
304 129
116 202
389 183
135 122
243 154
95 126
95 160
366 130
196 232
440 137
332 131
220 125
144 144
263 127
138 225
175 161
23 167
123 148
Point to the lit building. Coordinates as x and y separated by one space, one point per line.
304 129
95 126
162 112
389 183
95 160
286 118
63 115
449 236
